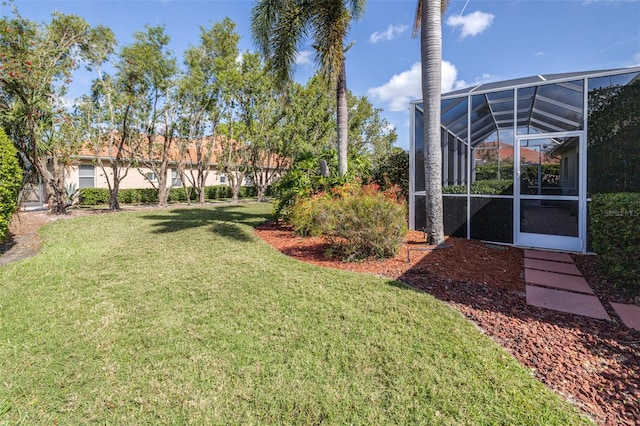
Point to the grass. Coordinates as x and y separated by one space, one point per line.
184 316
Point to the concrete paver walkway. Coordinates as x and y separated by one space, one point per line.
553 281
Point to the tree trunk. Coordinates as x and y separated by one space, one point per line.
431 56
54 185
235 181
342 119
163 193
202 180
261 189
114 204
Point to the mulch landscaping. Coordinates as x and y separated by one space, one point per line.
592 363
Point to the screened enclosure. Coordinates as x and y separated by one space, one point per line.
521 158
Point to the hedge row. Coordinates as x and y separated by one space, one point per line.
10 181
615 227
487 187
98 196
550 173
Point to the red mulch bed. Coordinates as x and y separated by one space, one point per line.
592 363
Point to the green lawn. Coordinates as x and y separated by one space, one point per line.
184 316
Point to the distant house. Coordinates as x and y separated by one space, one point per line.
521 158
85 172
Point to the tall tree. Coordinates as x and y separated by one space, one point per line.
370 134
150 69
428 23
38 61
202 97
278 28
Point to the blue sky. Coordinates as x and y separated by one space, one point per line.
483 40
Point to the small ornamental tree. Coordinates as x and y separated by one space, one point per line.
10 182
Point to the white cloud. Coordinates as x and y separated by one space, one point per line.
471 24
392 32
406 86
304 57
635 60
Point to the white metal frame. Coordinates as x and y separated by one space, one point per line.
557 242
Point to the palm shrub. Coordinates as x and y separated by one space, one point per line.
358 222
10 182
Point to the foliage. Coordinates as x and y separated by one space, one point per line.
302 180
614 135
38 62
93 196
10 182
487 187
201 102
550 174
138 196
393 170
615 226
100 196
358 221
369 133
150 68
279 28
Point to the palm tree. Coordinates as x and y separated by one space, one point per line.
279 26
428 23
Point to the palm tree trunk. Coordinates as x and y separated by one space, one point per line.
431 56
342 119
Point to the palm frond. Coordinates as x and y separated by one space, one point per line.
331 23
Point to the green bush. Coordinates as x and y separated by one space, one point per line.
615 226
487 187
177 195
301 181
97 196
393 170
93 196
138 196
359 222
550 173
10 183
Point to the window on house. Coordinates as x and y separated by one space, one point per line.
86 177
151 177
248 181
175 178
223 178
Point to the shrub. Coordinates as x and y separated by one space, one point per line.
359 222
487 187
93 196
10 182
177 195
217 192
138 196
96 196
393 170
248 192
301 181
615 226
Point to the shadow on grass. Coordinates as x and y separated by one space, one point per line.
225 221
